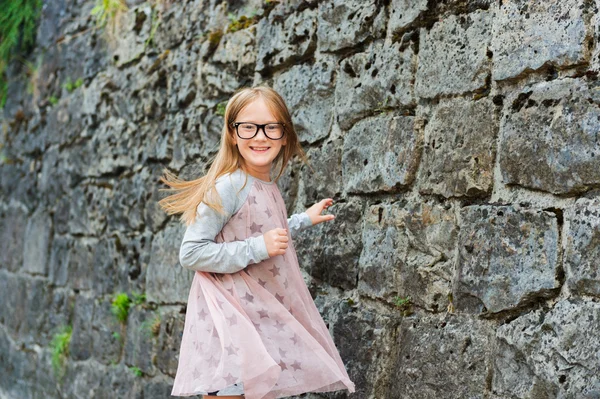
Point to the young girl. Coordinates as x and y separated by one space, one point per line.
251 328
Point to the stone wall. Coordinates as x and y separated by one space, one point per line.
459 139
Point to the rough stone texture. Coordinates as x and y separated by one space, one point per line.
566 345
507 257
324 180
446 101
408 252
166 280
281 41
330 251
345 23
582 252
379 78
453 56
441 356
528 35
381 153
460 149
312 115
403 13
549 137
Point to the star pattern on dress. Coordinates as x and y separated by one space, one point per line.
213 361
252 200
269 213
231 350
262 282
196 373
279 297
257 326
230 289
274 270
282 365
263 313
279 326
296 365
255 228
259 187
215 333
295 339
230 379
202 314
285 283
241 215
281 352
232 320
248 297
219 302
191 328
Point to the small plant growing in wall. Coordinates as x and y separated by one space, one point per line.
136 370
70 86
18 26
241 22
151 327
221 108
107 12
120 306
59 347
405 305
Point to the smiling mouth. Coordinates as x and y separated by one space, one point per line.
260 149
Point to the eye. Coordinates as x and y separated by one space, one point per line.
247 126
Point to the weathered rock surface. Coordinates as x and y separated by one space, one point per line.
414 115
549 137
459 149
507 258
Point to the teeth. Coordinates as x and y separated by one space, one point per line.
260 148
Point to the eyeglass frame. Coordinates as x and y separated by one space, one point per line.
258 127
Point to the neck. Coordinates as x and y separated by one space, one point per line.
259 173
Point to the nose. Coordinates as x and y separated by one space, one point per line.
263 132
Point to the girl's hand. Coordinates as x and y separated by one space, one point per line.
276 241
314 212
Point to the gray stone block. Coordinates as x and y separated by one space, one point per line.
460 149
36 252
549 137
166 280
550 353
404 12
528 35
441 356
344 24
283 40
330 250
12 237
408 251
507 258
582 248
312 114
379 78
453 55
381 154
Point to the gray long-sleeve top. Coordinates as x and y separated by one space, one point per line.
200 252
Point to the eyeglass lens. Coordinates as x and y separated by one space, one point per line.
248 130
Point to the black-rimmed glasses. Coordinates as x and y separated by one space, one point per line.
247 130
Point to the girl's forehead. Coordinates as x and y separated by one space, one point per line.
257 109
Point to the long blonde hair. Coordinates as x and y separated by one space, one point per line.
190 193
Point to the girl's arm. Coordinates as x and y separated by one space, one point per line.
200 252
298 222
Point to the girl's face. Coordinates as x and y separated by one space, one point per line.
258 161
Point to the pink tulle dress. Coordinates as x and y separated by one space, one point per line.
260 326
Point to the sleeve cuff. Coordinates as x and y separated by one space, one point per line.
305 220
260 247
